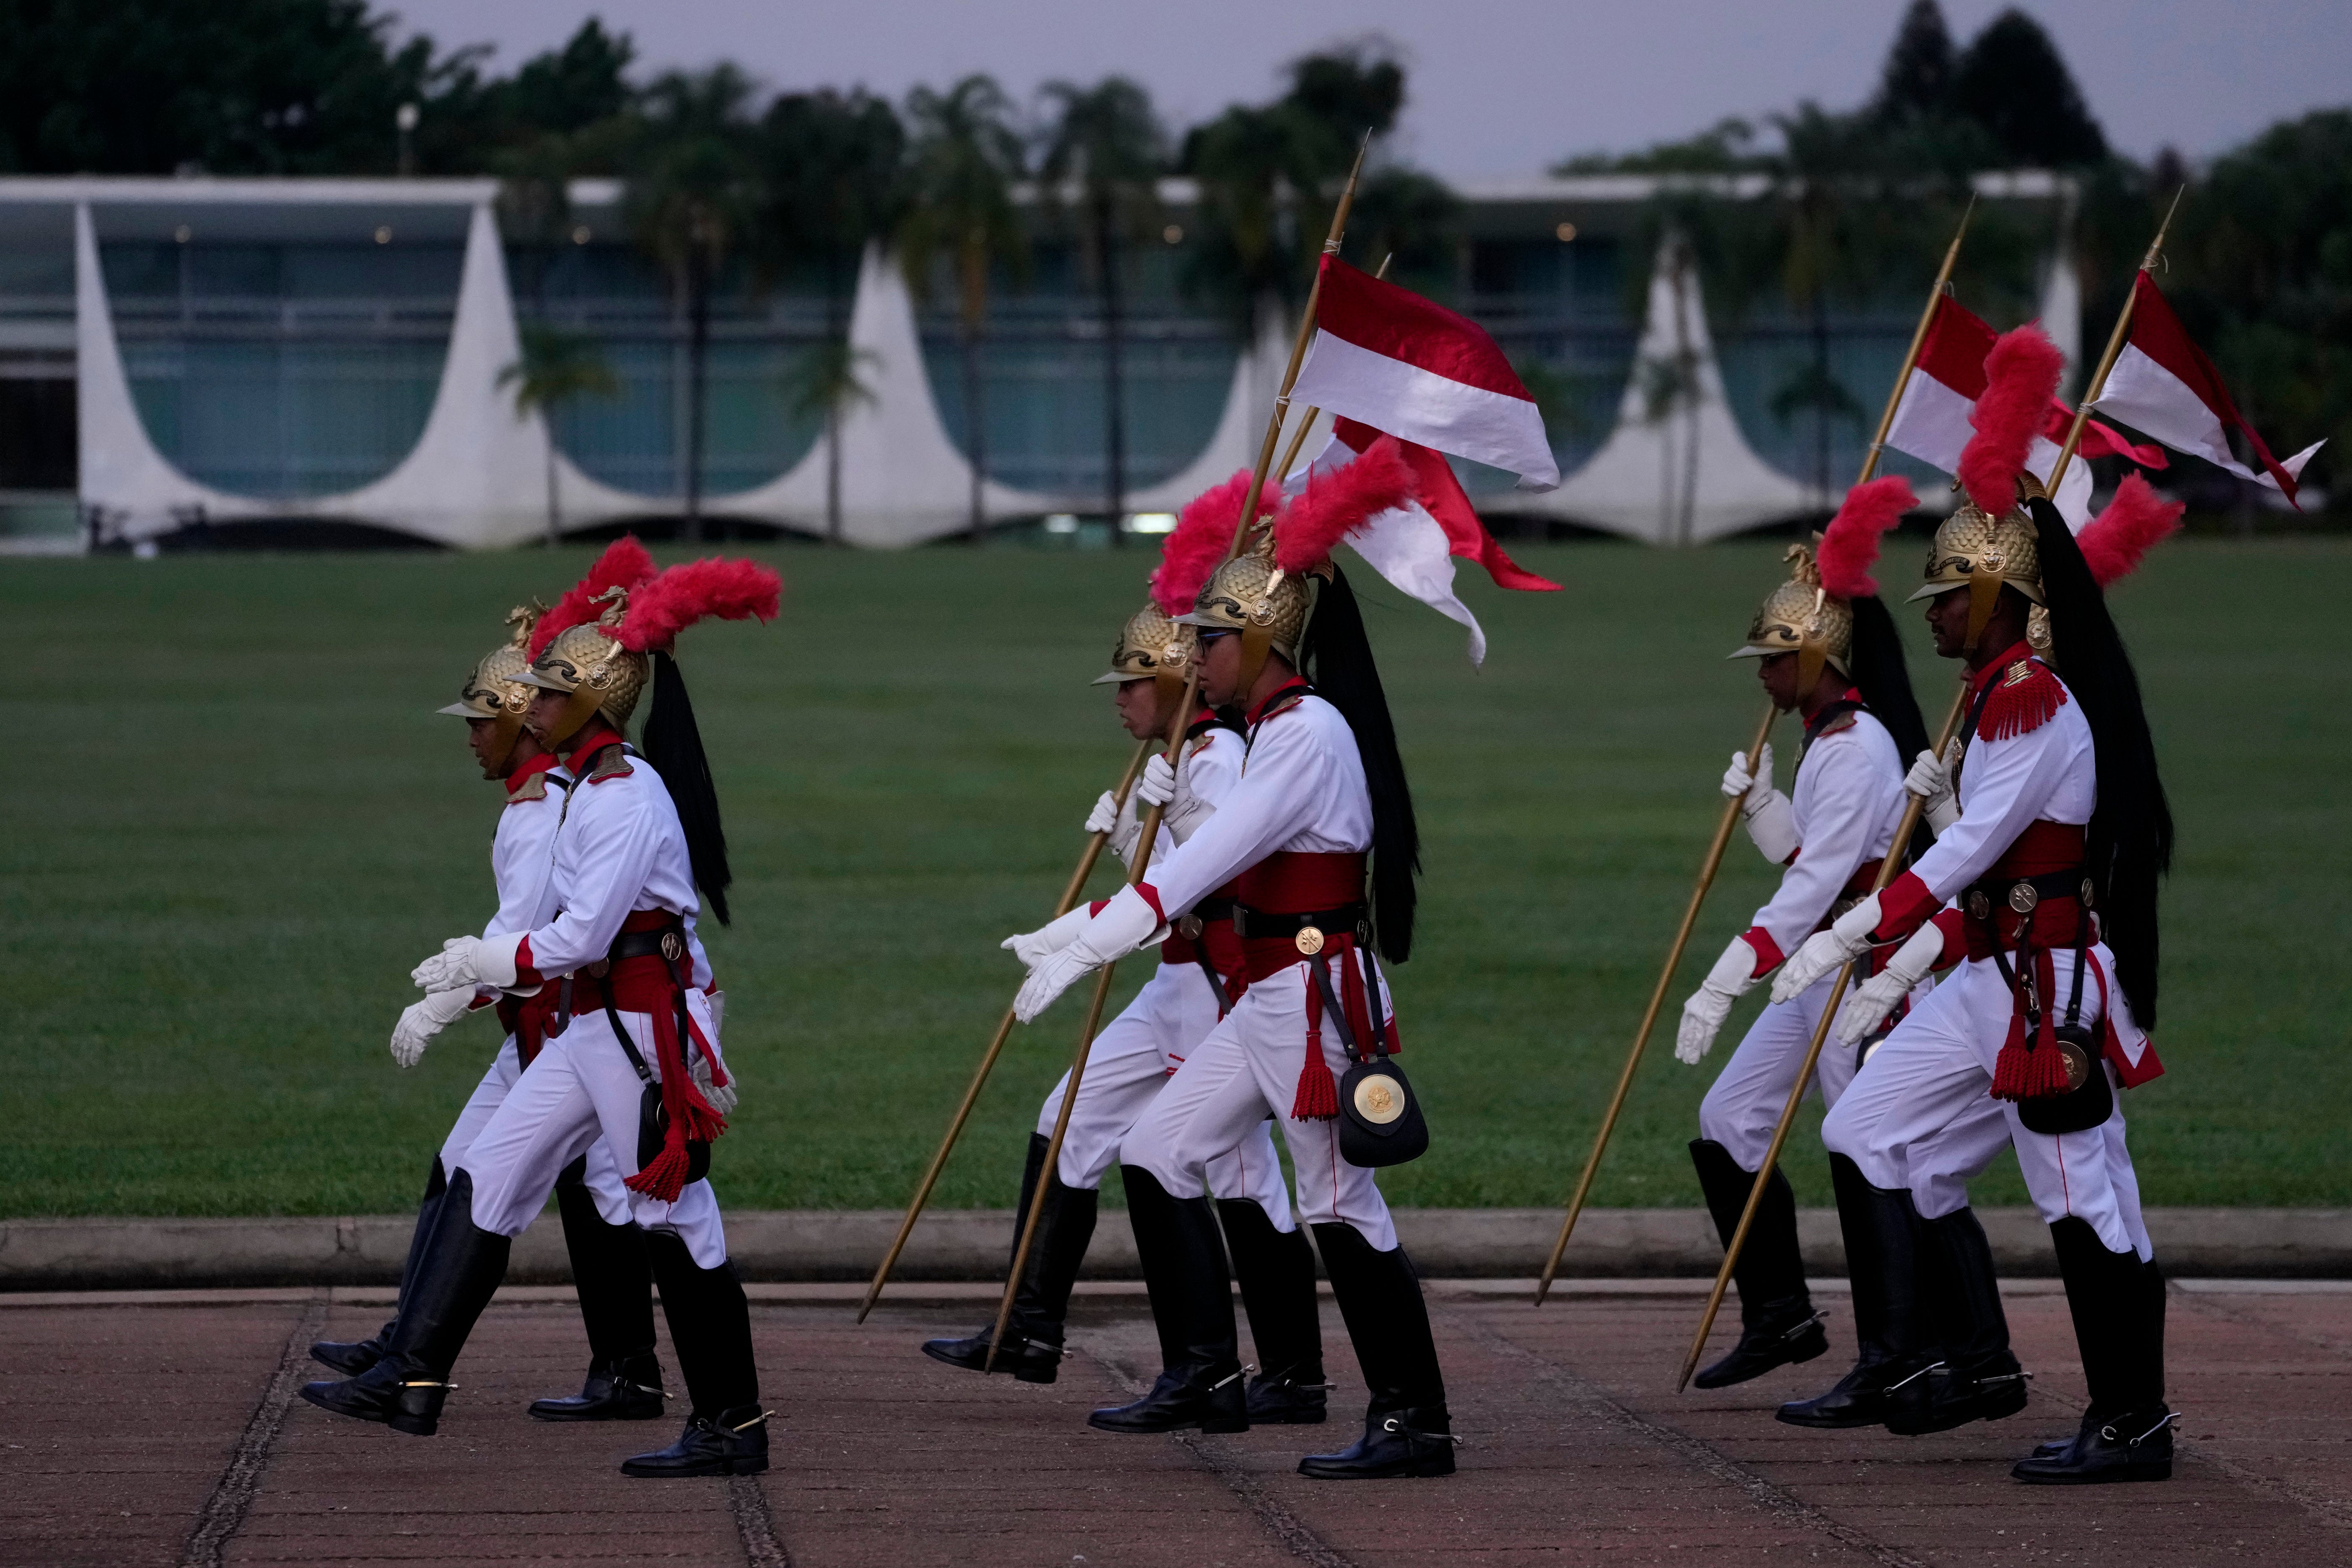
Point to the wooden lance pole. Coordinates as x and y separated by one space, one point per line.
1887 870
1731 809
1178 723
1069 897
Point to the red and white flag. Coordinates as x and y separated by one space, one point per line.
1413 546
1931 422
1404 364
2163 384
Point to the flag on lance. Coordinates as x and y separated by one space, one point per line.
1413 546
1392 359
1932 421
2162 383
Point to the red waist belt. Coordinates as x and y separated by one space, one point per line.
656 984
2033 894
1294 881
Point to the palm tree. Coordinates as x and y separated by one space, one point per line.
691 197
556 367
964 159
1107 143
825 385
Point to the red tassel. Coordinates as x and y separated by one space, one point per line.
1317 1099
666 1177
2024 697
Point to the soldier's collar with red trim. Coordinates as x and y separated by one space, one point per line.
526 776
596 739
1206 719
1998 665
1282 697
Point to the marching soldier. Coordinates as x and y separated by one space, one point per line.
1318 837
2044 887
1132 1057
607 1251
633 1041
1827 649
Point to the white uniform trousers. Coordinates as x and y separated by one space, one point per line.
601 1177
579 1093
1746 1101
1132 1057
1247 1065
1929 1086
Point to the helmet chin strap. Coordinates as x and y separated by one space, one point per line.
506 730
1812 652
1984 594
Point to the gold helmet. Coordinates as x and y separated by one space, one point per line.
601 676
1800 616
497 692
1252 595
1152 646
1979 552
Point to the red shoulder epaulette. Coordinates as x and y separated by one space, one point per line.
611 762
2023 697
532 788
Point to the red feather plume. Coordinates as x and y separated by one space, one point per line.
2021 378
1203 532
623 564
731 590
2137 519
1850 543
1339 501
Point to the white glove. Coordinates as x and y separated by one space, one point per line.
1032 948
1182 813
1874 998
465 962
1930 779
1126 923
1771 822
420 1021
1115 819
1105 815
1824 950
722 1100
1708 1006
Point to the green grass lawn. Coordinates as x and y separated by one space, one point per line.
235 823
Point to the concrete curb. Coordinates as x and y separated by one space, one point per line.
844 1244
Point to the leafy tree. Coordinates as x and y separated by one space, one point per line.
556 367
2012 82
825 385
1916 83
965 156
691 200
1108 143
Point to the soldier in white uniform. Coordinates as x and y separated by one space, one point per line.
1198 979
632 1054
1322 793
607 1253
2045 879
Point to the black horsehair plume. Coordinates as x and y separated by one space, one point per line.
673 744
1885 682
1340 656
2130 841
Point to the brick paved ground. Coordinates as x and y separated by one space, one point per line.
161 1431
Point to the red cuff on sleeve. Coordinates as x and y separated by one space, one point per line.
1767 951
1955 940
1151 896
524 974
1903 908
1096 908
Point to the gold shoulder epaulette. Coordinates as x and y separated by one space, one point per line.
611 762
532 788
1842 721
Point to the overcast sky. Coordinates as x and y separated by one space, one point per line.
1498 87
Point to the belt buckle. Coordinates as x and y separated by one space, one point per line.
2022 897
1980 906
598 970
1189 927
1310 939
2086 892
673 946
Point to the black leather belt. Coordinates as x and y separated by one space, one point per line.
1209 910
2020 894
665 943
1260 924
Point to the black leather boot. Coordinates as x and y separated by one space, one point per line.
2117 1304
1882 1245
1277 1272
1032 1351
1978 1379
1777 1324
614 1282
352 1357
710 1328
454 1280
1407 1431
732 1443
1192 1306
